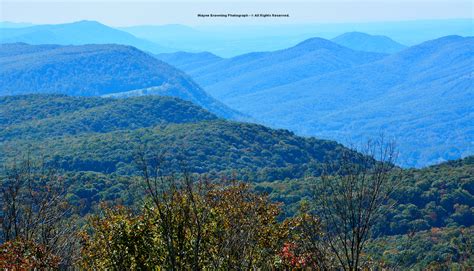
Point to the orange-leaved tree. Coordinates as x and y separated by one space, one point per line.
189 225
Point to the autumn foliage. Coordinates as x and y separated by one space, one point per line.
26 255
209 227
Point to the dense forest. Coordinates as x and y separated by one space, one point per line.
434 215
157 182
101 135
113 221
436 196
43 116
96 70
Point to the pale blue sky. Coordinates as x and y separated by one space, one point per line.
154 12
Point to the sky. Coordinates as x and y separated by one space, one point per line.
157 12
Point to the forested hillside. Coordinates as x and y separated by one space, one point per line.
246 74
118 155
94 70
43 116
436 196
115 161
399 95
104 134
431 224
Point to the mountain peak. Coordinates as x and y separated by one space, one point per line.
357 34
450 38
437 47
317 43
87 22
366 42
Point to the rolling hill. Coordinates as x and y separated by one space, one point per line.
95 70
33 116
447 185
369 43
104 134
422 96
253 72
77 33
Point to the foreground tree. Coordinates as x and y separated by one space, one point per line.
303 247
120 239
187 222
35 216
27 255
244 230
352 201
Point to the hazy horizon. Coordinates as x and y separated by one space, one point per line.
30 23
227 40
145 12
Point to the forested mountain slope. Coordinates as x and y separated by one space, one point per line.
250 73
95 70
104 135
436 196
94 143
44 116
421 96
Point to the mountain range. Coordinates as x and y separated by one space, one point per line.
76 33
83 126
422 96
337 89
250 73
227 40
231 40
95 70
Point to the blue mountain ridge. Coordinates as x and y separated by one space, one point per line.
97 70
422 96
77 33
